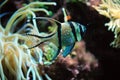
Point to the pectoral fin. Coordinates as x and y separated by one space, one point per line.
67 50
55 55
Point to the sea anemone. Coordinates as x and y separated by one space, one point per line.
17 61
111 9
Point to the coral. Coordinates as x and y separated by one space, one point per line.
111 9
17 62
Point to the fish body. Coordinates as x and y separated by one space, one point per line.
68 34
65 37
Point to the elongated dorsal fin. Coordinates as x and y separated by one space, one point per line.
46 18
66 16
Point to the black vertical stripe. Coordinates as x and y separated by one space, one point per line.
59 41
59 35
81 32
73 30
